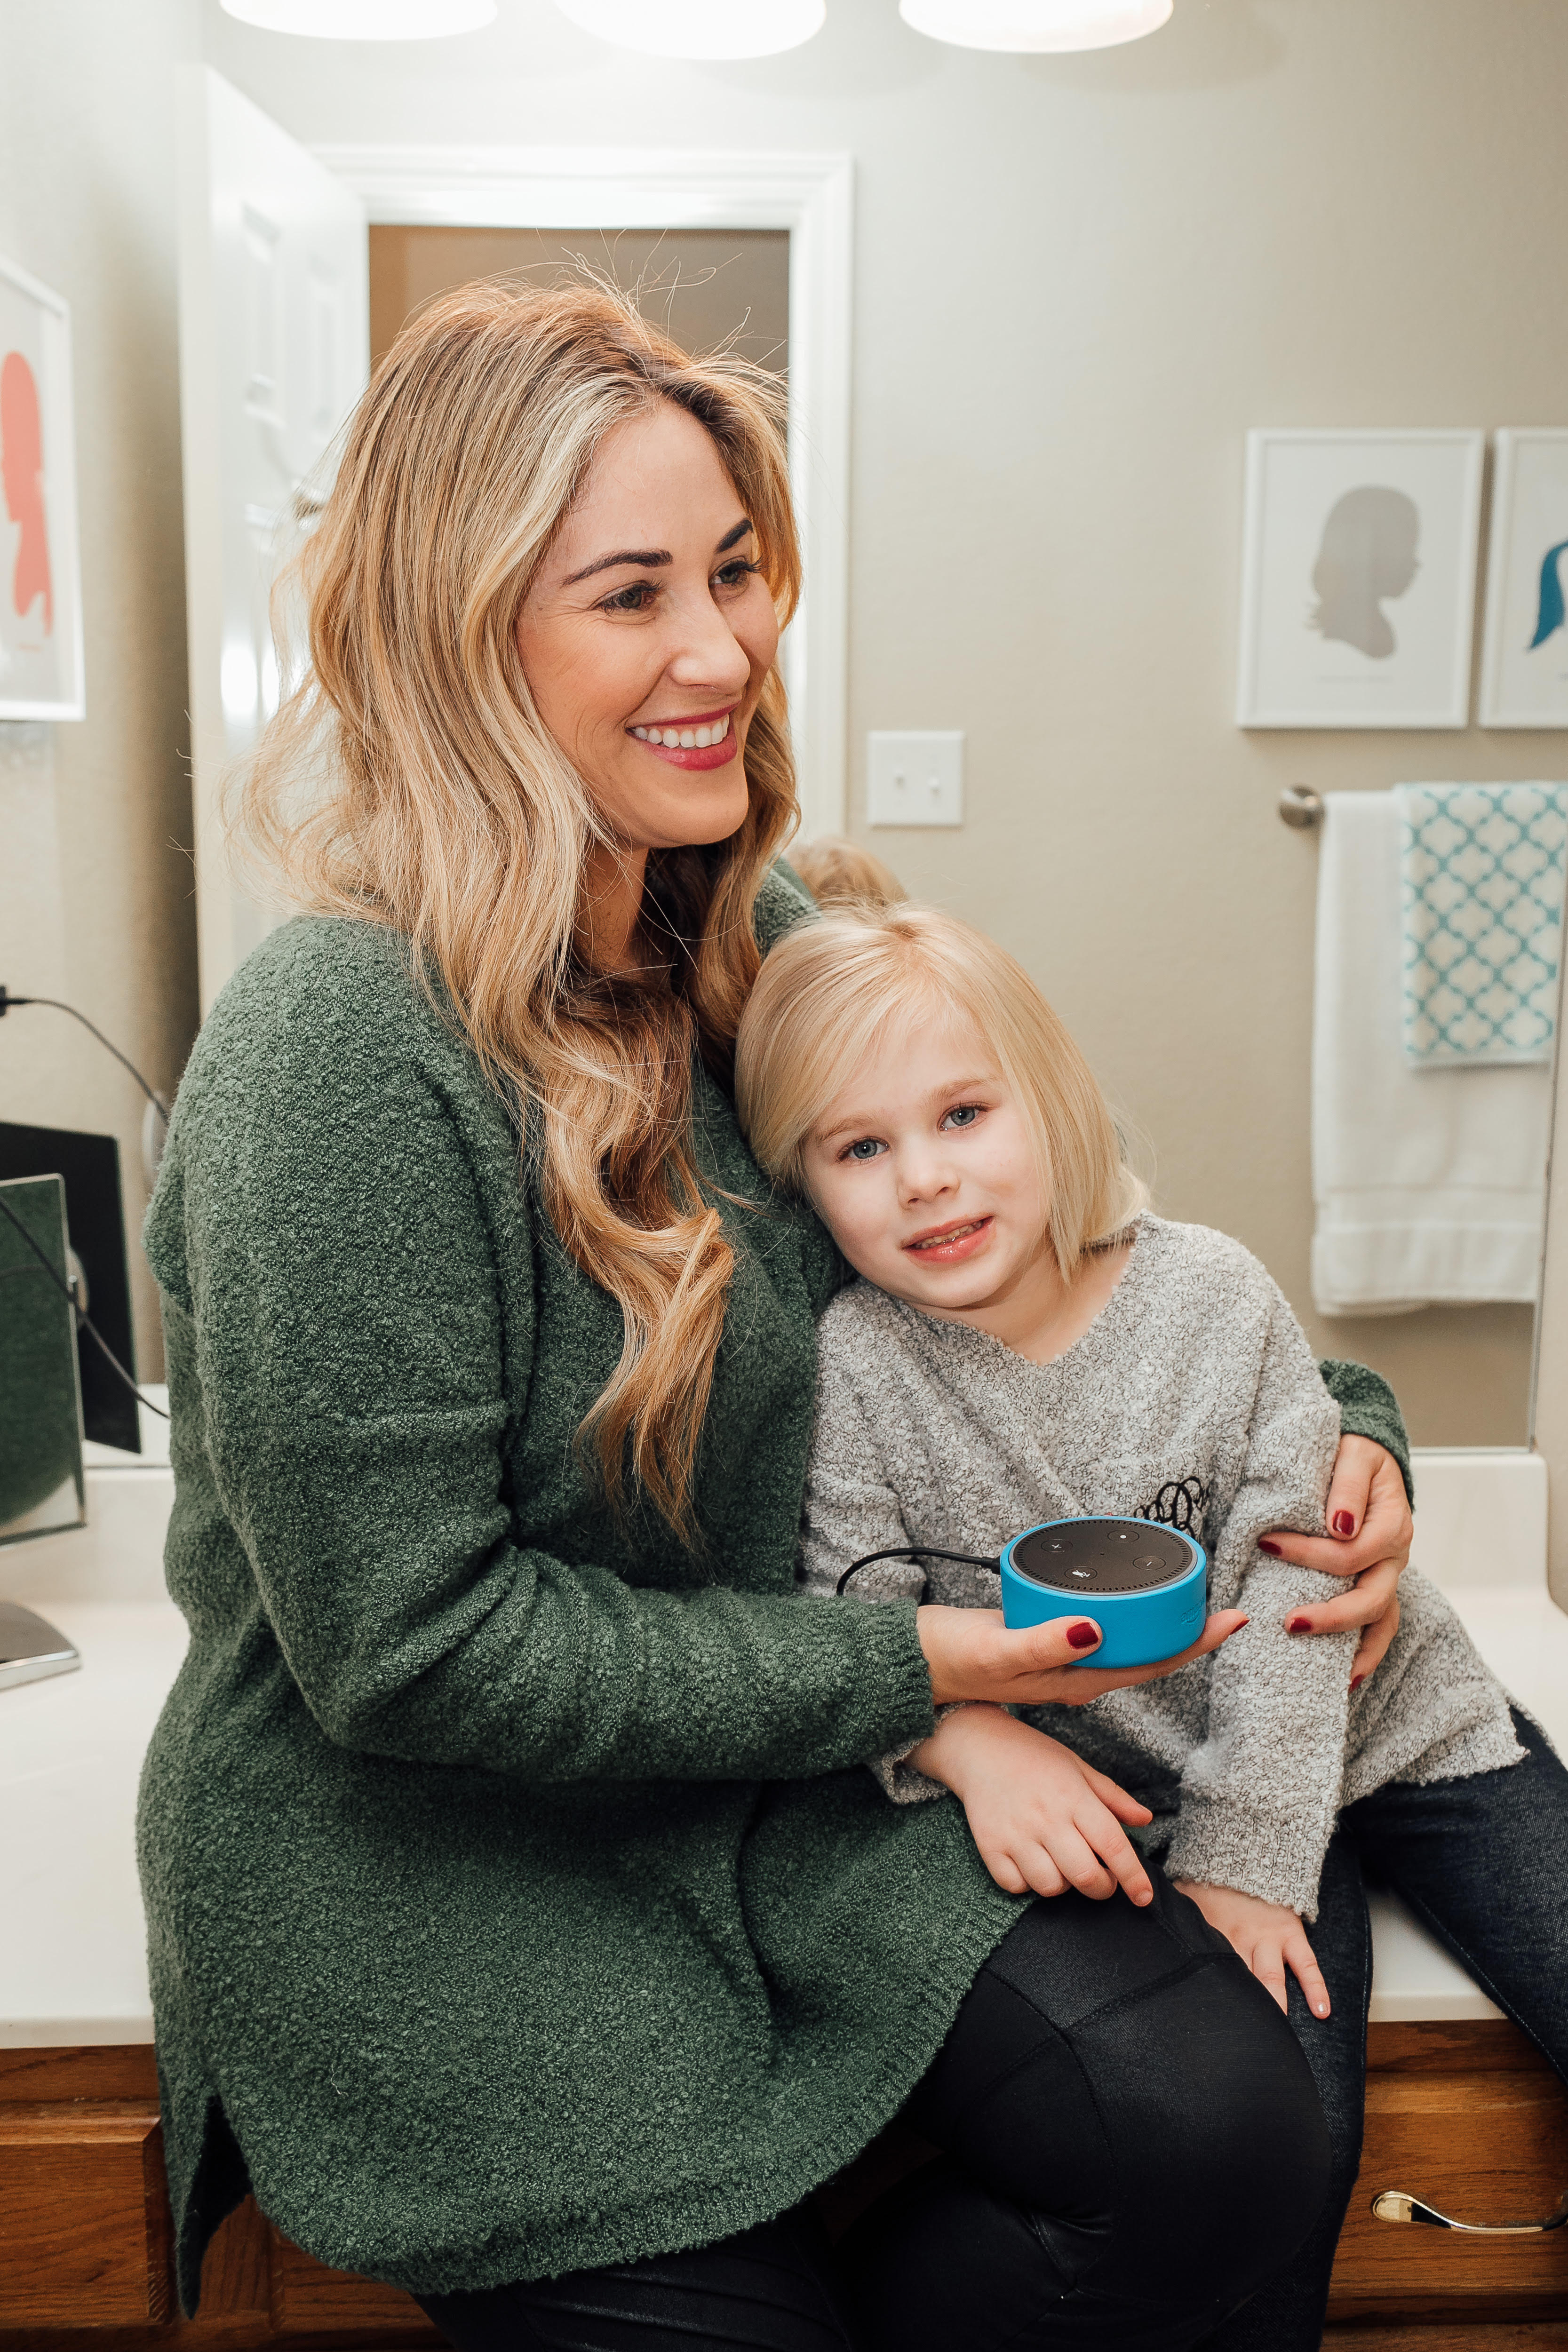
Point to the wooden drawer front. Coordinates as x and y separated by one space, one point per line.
84 2229
1480 2147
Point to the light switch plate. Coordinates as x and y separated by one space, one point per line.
915 779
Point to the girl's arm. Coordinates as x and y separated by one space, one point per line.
1260 1795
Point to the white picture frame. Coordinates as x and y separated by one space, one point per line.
41 665
1339 526
1524 648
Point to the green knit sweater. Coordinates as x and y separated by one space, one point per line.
515 1899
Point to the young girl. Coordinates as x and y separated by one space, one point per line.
1029 1343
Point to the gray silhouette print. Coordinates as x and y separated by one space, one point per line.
1368 553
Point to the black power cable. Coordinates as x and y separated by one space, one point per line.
8 1003
915 1551
83 1317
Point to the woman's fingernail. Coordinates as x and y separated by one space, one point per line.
1271 1548
1344 1523
1300 1625
1083 1637
1356 1681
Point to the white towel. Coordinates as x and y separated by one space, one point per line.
1430 1184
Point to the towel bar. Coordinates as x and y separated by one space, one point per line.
1394 2205
1300 808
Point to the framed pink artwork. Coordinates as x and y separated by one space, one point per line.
40 572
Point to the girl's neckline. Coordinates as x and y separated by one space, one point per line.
987 1339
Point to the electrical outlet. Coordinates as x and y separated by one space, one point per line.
915 779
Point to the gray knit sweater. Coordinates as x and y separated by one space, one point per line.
1194 1399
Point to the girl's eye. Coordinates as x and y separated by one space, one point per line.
963 1114
635 599
734 574
867 1148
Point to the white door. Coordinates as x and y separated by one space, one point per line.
274 351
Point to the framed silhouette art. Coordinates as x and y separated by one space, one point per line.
1359 578
40 578
1524 652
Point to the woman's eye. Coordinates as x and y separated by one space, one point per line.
635 599
963 1114
865 1149
734 575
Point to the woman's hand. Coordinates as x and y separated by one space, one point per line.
1042 1819
971 1654
1270 1938
1370 1529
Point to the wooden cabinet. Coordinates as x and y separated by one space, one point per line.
1465 2115
85 2237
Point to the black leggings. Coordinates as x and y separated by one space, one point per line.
1484 1861
1132 2143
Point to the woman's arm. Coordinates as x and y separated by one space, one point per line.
343 1319
1260 1794
1368 1516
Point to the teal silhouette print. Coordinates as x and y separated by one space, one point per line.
1549 613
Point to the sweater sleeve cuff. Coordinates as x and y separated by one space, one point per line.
1369 1408
1226 1845
904 1782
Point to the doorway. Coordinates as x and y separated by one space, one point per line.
704 286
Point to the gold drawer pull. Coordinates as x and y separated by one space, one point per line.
1394 2205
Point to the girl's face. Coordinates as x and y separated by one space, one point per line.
647 635
923 1168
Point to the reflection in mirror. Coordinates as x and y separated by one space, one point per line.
42 1491
41 1487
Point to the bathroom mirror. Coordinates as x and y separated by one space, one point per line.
1033 308
41 1486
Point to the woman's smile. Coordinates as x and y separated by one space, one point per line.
707 740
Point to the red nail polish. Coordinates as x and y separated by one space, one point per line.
1356 1681
1300 1625
1083 1637
1271 1548
1344 1523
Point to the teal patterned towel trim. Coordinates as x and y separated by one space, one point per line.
1482 873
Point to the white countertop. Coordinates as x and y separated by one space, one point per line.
71 1747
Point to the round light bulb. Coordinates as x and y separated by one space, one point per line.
1024 26
364 20
699 29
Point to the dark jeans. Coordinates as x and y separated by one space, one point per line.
1484 1861
1131 2142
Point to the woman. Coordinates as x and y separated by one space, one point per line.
521 1919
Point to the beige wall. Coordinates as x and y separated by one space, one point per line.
95 877
1078 280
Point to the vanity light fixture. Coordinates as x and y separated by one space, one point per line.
699 29
364 20
1022 26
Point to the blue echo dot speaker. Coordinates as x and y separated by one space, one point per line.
1146 1587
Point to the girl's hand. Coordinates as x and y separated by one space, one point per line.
973 1655
1371 1530
1042 1819
1270 1938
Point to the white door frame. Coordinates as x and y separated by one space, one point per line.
621 187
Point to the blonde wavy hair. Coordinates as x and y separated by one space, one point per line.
408 780
833 993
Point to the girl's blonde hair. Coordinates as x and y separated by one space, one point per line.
834 993
839 873
410 781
